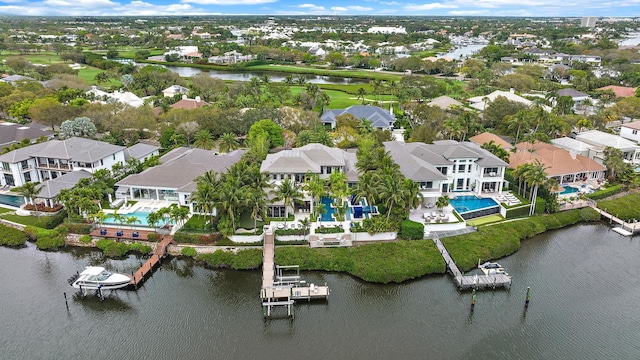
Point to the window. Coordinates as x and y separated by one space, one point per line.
101 162
27 177
461 168
460 184
9 180
5 166
114 156
328 170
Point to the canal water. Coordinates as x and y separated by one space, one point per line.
585 283
273 76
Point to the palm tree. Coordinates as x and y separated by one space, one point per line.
203 140
442 202
229 198
153 218
392 191
288 80
257 199
132 220
119 218
287 192
30 191
228 143
535 176
306 223
315 186
414 196
204 197
361 93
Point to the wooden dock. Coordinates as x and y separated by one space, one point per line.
156 257
625 229
470 281
280 290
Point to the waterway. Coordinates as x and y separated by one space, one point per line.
273 76
585 283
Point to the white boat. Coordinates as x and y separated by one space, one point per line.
492 268
96 277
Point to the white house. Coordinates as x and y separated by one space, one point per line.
54 158
600 140
631 131
387 30
174 90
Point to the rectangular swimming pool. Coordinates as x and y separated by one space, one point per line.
468 203
15 201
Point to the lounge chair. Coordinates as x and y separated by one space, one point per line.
135 234
103 232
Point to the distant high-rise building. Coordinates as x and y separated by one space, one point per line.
588 21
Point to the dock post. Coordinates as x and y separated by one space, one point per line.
526 303
100 292
473 299
81 292
65 301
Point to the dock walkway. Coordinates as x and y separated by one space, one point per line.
625 229
470 281
156 257
279 290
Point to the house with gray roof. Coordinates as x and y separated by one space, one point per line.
54 158
314 158
445 102
53 187
141 151
377 116
447 166
578 97
174 179
11 133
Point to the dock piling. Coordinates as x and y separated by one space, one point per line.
473 299
526 303
65 301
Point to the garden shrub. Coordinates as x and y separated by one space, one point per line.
85 239
330 229
241 260
11 237
139 248
154 237
605 193
411 230
116 249
188 251
78 228
50 242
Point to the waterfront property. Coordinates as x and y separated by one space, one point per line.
470 206
378 117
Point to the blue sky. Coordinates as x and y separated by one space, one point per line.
627 8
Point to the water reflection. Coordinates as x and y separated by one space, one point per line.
274 76
111 302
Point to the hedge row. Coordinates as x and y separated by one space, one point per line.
200 239
241 260
605 193
411 230
495 241
46 239
381 263
113 248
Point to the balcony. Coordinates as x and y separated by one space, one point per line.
55 167
490 174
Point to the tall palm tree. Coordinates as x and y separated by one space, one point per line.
153 218
229 198
130 220
256 198
228 143
535 175
30 191
414 196
361 93
392 191
442 202
204 198
289 193
203 140
315 186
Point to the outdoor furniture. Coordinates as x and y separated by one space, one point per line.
103 232
135 234
119 233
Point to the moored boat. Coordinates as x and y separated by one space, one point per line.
492 268
97 277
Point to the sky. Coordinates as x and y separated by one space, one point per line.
526 8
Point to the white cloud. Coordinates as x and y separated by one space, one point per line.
351 8
469 12
312 7
228 2
101 8
430 6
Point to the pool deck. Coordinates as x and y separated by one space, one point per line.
127 234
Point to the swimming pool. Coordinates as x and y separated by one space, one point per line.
327 215
15 201
568 190
470 203
361 211
139 214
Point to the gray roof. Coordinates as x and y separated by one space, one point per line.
418 161
12 132
51 188
379 117
78 149
444 102
568 143
14 78
25 153
571 92
139 151
180 167
307 158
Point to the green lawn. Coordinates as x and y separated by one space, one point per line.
246 222
362 74
42 58
24 220
624 207
485 220
5 210
340 99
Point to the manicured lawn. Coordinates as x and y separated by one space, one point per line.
485 220
24 220
42 58
246 222
5 210
362 74
340 99
197 222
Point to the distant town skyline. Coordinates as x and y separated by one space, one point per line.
503 8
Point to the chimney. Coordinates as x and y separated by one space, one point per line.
391 109
197 98
184 97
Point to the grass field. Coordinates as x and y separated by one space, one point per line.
341 99
485 220
24 220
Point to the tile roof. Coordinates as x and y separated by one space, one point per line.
635 125
620 91
189 104
487 137
603 139
478 102
139 150
444 102
78 149
571 92
51 188
557 160
12 132
310 157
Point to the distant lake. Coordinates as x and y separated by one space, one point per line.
274 75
